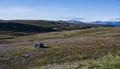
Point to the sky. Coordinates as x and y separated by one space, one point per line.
83 10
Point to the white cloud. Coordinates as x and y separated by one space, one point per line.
14 10
31 13
72 18
117 19
21 13
77 18
22 10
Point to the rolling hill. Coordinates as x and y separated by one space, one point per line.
38 26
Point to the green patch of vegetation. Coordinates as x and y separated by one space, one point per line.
2 59
107 62
19 66
41 61
17 52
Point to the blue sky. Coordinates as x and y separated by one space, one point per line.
84 10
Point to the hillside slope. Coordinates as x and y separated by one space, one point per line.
35 26
96 48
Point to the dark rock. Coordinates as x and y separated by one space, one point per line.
41 45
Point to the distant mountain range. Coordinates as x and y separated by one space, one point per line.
71 21
114 23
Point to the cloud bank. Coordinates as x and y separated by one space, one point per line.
31 13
